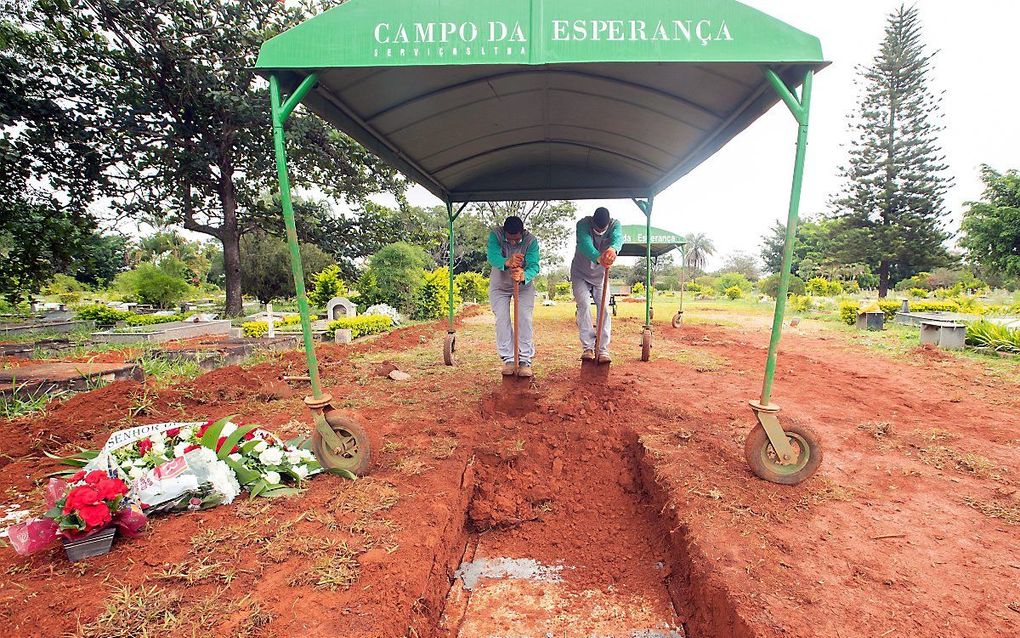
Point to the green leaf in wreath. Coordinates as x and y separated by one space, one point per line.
212 434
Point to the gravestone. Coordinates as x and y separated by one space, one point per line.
340 308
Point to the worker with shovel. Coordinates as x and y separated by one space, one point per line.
599 239
513 254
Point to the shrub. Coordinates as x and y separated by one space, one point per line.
852 287
637 289
889 307
150 284
474 286
393 276
800 303
731 279
360 326
255 329
733 292
848 311
984 334
103 315
770 285
150 320
563 289
920 280
919 293
433 297
934 306
326 285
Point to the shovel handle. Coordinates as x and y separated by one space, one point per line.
602 312
517 343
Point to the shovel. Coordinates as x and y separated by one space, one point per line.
517 344
602 315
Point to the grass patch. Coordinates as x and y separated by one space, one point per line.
337 569
165 372
22 402
260 356
992 509
133 612
365 497
443 447
199 571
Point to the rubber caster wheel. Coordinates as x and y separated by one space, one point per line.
764 461
355 452
678 319
450 349
646 345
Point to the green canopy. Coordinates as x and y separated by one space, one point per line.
662 241
481 100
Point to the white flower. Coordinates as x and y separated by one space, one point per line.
307 455
236 457
135 472
214 472
294 457
228 429
159 444
179 448
261 446
273 478
185 434
301 470
270 456
139 463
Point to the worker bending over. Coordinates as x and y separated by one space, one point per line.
513 255
599 239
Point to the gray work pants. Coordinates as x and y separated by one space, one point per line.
500 300
584 292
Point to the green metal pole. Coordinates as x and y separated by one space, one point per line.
800 109
450 217
648 261
279 116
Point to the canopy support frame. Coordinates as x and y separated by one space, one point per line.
764 409
320 402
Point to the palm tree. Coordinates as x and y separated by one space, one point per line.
699 249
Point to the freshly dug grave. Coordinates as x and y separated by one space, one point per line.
910 527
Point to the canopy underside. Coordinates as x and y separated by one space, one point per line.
563 131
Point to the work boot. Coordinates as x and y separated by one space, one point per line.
509 369
605 358
588 355
524 371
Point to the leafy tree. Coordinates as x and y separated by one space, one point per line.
743 263
891 209
171 85
991 228
99 258
660 266
393 276
770 285
550 222
475 287
265 266
699 249
732 279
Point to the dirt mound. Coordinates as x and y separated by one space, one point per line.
234 383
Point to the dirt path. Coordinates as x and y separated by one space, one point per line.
623 490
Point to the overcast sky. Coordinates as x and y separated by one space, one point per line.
737 194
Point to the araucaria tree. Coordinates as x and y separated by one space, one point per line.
891 210
191 121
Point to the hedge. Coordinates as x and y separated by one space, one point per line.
107 316
360 326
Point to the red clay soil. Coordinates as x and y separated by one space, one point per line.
897 535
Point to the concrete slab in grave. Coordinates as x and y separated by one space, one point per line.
340 307
48 377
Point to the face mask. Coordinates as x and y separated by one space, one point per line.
601 232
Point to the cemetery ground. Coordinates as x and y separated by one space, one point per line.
619 496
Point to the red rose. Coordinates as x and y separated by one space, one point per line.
110 489
144 446
94 477
79 475
250 435
81 496
191 447
220 443
172 432
95 516
201 430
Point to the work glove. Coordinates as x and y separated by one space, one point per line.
517 274
515 260
607 258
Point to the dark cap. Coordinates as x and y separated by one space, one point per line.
513 225
601 217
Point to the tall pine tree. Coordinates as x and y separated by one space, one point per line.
891 210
